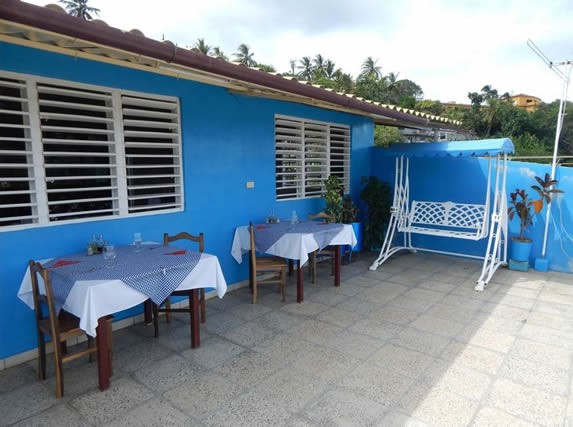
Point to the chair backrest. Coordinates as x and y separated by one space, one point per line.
321 215
44 301
184 236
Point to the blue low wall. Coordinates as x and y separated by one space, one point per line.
464 180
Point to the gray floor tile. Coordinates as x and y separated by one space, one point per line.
407 362
421 341
344 408
248 368
528 403
376 328
437 325
56 416
25 401
535 375
249 334
18 376
395 418
153 413
204 395
248 409
492 417
548 355
338 317
437 406
168 373
139 355
487 338
102 407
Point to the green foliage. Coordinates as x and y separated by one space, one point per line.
386 135
80 9
378 198
525 208
333 197
349 210
430 106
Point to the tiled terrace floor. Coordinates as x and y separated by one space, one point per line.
410 344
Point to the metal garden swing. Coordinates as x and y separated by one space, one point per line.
451 219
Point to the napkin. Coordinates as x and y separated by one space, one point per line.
181 252
63 262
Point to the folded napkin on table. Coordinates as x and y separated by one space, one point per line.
181 252
63 262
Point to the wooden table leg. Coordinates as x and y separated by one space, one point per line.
147 312
290 267
103 359
337 265
299 284
195 334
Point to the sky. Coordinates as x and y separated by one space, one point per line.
448 47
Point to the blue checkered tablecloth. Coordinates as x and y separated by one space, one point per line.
156 271
267 235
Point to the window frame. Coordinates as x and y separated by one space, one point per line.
37 171
301 188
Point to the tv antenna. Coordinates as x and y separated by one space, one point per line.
563 71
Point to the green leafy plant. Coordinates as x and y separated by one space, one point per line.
377 196
333 197
349 210
525 208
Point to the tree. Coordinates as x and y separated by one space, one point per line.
80 8
318 63
245 56
218 53
306 68
386 135
329 69
202 47
370 69
266 67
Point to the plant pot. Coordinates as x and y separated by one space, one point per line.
358 230
520 250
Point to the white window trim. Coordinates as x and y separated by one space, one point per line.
39 176
304 122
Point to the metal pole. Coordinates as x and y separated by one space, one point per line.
562 106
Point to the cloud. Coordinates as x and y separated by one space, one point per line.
527 172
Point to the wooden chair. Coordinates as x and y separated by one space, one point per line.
59 327
264 266
326 253
167 310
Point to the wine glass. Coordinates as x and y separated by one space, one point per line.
109 255
137 242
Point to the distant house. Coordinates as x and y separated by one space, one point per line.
104 131
528 102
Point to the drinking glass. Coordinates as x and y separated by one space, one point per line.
137 242
109 255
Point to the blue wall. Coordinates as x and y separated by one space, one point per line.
464 180
228 139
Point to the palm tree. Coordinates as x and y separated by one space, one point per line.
370 69
245 56
306 68
202 47
329 69
318 62
292 70
218 53
80 8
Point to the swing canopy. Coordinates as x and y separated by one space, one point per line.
479 148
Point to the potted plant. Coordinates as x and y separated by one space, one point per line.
378 198
333 197
525 208
350 216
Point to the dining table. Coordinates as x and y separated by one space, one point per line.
295 242
92 288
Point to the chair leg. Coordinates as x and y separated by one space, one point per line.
110 345
283 284
202 304
313 266
168 307
155 319
254 289
59 371
41 356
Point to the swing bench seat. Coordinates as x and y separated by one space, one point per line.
446 219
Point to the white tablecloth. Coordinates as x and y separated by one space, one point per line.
295 246
91 299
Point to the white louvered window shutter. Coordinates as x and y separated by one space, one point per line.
289 158
79 152
18 203
71 152
340 154
306 153
152 153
